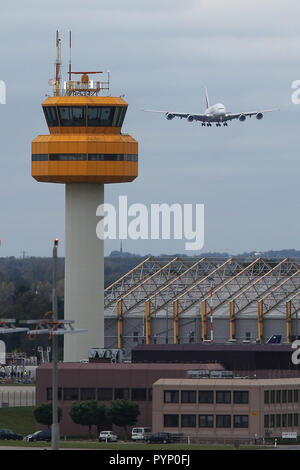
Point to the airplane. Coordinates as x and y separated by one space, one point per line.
216 113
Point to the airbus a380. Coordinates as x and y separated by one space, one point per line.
216 113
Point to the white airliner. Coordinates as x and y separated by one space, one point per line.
216 113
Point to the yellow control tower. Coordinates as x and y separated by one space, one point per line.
84 150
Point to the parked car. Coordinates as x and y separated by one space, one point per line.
162 437
107 436
140 434
10 435
44 435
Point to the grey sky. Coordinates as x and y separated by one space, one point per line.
161 55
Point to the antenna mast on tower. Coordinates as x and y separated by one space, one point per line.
57 64
70 56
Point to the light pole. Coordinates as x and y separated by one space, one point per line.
55 424
53 327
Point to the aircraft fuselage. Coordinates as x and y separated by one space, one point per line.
216 112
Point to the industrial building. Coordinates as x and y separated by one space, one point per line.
197 300
158 388
106 382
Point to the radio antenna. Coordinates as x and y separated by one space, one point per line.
57 64
70 56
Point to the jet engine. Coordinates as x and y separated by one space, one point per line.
190 118
259 116
170 116
242 117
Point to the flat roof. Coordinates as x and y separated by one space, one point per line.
228 382
213 347
132 366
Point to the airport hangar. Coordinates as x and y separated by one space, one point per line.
185 300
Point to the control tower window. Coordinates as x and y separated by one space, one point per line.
72 116
51 116
100 116
119 116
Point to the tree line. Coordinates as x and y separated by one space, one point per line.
121 412
26 293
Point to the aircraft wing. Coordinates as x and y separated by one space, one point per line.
181 115
171 115
230 116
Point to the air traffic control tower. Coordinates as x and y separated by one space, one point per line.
84 150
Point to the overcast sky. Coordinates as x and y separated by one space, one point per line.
161 54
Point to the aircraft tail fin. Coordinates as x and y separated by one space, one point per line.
206 98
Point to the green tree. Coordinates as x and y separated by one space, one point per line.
88 413
43 414
124 413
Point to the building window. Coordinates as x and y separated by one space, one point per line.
241 397
284 421
241 421
206 421
272 421
296 419
272 396
119 116
39 157
266 421
188 396
278 421
51 115
67 157
290 396
267 397
278 396
171 396
105 394
296 396
150 394
100 116
284 396
290 419
112 157
49 394
71 394
206 396
188 421
139 394
72 116
171 421
87 394
223 396
122 394
223 421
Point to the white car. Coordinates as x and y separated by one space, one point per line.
140 434
107 436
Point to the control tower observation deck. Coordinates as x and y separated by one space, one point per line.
84 150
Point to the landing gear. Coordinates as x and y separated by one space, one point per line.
225 124
218 124
208 124
203 124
